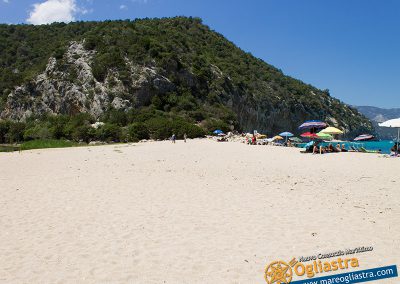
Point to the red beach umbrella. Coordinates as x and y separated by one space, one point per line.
309 135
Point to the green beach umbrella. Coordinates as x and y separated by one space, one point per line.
295 139
324 136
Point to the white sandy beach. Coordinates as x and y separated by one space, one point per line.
200 212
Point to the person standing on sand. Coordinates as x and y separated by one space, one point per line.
184 137
173 138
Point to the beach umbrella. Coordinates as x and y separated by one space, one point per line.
261 136
218 131
286 135
394 123
277 137
313 124
331 130
324 136
364 137
309 135
295 139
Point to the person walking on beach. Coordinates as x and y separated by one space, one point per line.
173 138
184 137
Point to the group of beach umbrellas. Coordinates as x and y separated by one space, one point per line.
287 136
315 125
312 126
326 133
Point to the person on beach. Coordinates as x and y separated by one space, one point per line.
184 137
395 148
173 138
315 149
337 148
344 148
254 140
318 149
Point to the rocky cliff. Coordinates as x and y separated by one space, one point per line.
174 65
68 87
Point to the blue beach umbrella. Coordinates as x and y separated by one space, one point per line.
286 135
218 131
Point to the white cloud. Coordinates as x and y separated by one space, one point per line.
123 7
6 1
53 11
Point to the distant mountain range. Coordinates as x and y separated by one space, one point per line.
378 115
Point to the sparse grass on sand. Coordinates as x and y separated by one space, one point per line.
9 148
48 143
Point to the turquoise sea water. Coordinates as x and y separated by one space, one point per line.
383 145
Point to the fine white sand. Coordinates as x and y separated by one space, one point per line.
200 212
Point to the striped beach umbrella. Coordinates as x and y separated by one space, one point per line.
317 124
364 137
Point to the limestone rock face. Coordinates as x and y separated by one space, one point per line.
68 86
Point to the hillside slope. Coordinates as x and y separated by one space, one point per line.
174 66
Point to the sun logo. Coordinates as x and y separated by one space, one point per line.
278 272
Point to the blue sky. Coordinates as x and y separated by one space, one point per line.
351 47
